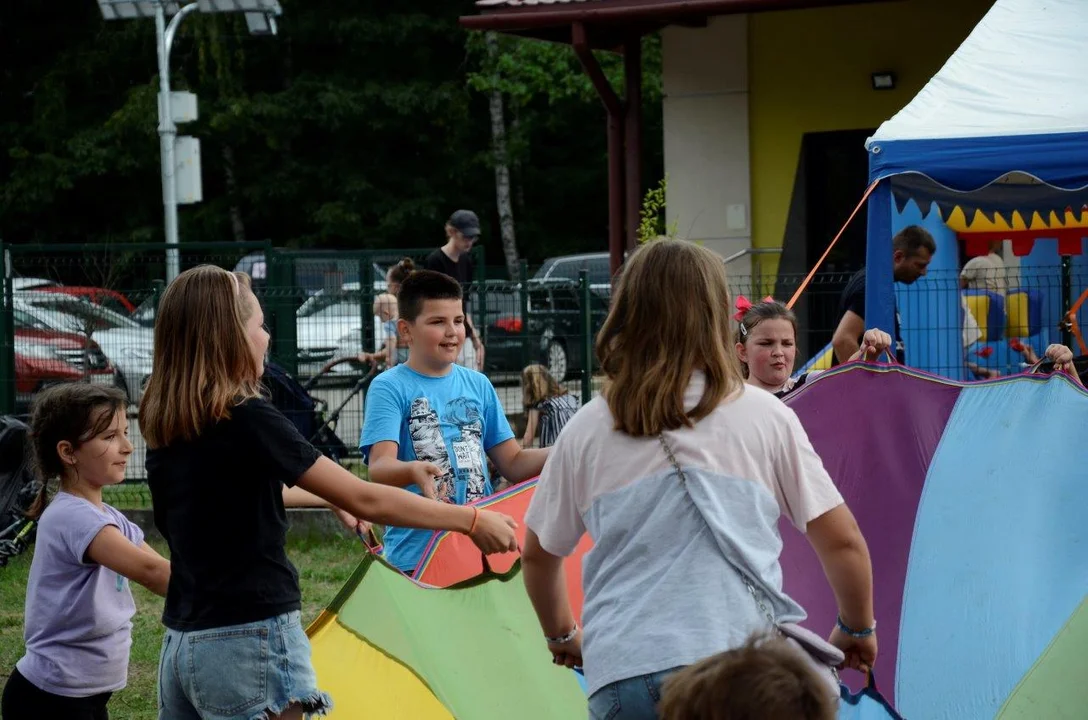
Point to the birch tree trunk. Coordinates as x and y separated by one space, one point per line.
502 171
237 225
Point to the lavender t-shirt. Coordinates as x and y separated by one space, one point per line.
78 614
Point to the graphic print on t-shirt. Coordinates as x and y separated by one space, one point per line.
464 413
430 445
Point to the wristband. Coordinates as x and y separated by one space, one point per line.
854 633
565 639
475 517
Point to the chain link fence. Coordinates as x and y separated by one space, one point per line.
86 314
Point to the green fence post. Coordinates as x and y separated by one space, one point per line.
479 294
523 298
587 336
7 340
366 302
281 282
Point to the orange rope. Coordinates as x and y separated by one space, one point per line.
1074 326
812 272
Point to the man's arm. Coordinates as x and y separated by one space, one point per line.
845 340
515 463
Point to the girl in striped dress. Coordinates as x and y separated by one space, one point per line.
549 405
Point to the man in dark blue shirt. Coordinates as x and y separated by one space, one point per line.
912 250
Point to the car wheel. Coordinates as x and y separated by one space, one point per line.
556 359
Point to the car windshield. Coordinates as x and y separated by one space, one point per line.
26 321
76 315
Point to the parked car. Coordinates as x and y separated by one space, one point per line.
329 325
109 299
315 271
567 267
45 357
25 283
551 333
126 344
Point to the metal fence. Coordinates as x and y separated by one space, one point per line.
86 313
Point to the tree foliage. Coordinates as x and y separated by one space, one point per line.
361 124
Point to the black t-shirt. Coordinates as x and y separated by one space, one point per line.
218 502
853 298
463 271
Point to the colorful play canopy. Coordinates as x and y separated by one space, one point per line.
972 499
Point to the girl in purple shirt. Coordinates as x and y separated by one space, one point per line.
78 616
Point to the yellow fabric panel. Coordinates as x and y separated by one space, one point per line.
979 305
1016 309
365 683
824 363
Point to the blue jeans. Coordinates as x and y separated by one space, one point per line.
239 672
630 699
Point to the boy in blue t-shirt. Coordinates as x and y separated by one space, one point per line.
431 424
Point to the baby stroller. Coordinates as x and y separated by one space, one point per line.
18 488
309 414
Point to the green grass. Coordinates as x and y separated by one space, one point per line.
323 566
128 496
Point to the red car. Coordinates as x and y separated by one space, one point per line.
48 357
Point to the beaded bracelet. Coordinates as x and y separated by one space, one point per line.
565 639
854 633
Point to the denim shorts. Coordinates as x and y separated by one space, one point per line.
238 672
634 698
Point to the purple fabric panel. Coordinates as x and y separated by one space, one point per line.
876 431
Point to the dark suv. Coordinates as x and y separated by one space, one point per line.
554 334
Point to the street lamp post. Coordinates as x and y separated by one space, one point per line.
261 20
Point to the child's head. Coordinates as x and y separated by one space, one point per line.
432 318
210 343
767 343
669 318
79 434
385 306
395 275
767 679
537 385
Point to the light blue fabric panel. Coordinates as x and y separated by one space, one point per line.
1000 553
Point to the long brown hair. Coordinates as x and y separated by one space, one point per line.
669 317
203 362
537 385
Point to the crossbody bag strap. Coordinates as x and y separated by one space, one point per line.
743 575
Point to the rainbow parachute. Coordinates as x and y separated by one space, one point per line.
973 499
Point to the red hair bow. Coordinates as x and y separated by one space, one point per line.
744 305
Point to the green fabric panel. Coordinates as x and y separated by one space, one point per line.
1056 688
477 645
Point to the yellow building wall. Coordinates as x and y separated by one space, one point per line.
810 71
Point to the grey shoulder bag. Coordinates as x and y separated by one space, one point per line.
824 656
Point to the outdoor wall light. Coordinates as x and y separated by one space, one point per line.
883 81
